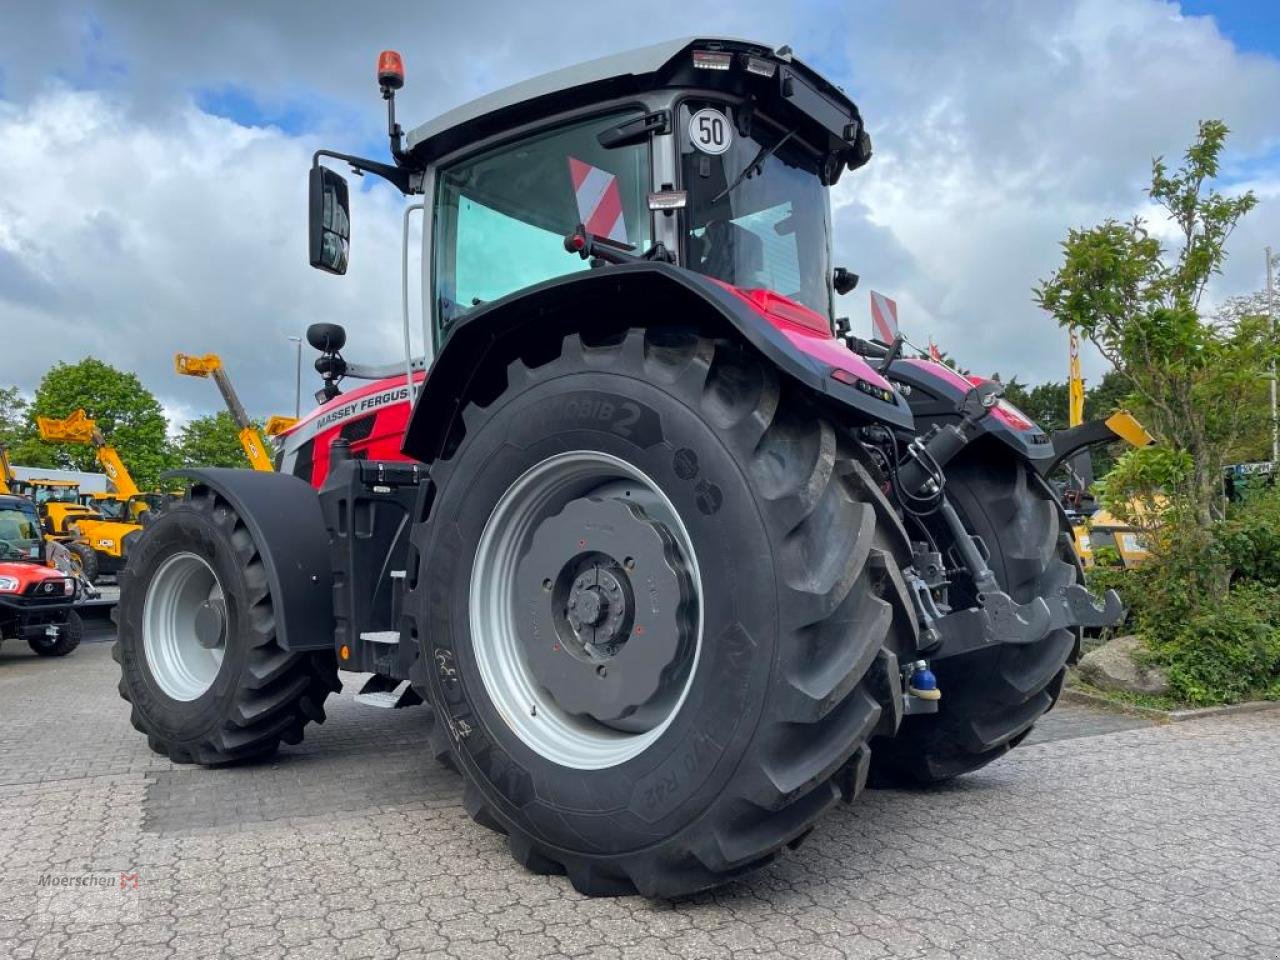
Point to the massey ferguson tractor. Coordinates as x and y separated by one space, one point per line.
675 561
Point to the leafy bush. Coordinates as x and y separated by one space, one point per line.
1207 605
1227 652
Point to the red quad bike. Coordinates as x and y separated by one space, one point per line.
35 600
676 563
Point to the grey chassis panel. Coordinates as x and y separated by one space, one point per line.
283 515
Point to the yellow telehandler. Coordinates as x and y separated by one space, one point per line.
106 523
210 365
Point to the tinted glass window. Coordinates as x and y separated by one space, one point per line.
770 230
501 218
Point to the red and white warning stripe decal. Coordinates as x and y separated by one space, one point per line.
884 318
599 201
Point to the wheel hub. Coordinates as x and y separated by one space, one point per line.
211 623
597 648
184 626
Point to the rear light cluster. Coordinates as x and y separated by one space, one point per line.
723 60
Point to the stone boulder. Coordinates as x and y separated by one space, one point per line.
1113 666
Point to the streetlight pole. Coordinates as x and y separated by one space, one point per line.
297 381
1271 315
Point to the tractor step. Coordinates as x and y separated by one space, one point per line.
388 693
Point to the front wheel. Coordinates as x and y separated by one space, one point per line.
86 558
63 642
659 606
199 661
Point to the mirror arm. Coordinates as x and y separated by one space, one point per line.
402 178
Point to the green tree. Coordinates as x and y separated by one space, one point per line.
128 415
1140 305
210 441
13 416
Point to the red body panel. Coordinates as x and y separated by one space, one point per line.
1004 411
27 573
808 331
371 417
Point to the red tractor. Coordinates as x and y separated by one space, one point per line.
676 562
36 601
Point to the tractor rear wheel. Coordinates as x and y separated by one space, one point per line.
991 698
199 661
67 639
660 610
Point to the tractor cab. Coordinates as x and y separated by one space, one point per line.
710 154
21 539
59 502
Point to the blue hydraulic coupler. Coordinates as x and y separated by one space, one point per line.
922 683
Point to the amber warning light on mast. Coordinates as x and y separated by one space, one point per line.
390 70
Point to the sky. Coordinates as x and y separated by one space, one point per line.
154 159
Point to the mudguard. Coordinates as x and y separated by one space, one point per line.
283 515
796 340
934 392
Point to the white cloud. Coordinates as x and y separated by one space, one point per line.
150 240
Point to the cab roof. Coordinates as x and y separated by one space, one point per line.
667 64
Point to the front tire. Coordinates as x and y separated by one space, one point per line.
771 612
68 638
992 698
87 558
199 662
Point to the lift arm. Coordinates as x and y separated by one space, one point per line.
210 365
1075 382
78 428
6 471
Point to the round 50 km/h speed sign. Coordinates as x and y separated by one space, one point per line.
710 131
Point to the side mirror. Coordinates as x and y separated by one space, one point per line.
329 221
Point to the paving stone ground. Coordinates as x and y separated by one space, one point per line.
1105 837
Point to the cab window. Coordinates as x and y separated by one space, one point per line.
501 218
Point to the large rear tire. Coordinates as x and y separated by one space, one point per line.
67 639
777 663
199 661
991 699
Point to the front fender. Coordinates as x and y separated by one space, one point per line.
633 295
935 391
283 516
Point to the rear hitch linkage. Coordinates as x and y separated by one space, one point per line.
997 618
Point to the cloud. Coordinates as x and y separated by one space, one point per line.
155 165
188 237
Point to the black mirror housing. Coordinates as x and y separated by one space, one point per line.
328 220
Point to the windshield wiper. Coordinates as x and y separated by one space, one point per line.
757 162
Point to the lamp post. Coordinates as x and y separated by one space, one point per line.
1271 316
297 380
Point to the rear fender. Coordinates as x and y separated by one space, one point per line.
283 515
935 391
633 295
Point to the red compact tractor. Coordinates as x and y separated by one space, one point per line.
36 601
676 562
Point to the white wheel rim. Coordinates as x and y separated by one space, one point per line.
526 708
180 664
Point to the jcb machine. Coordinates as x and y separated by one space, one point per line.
110 522
674 565
210 365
